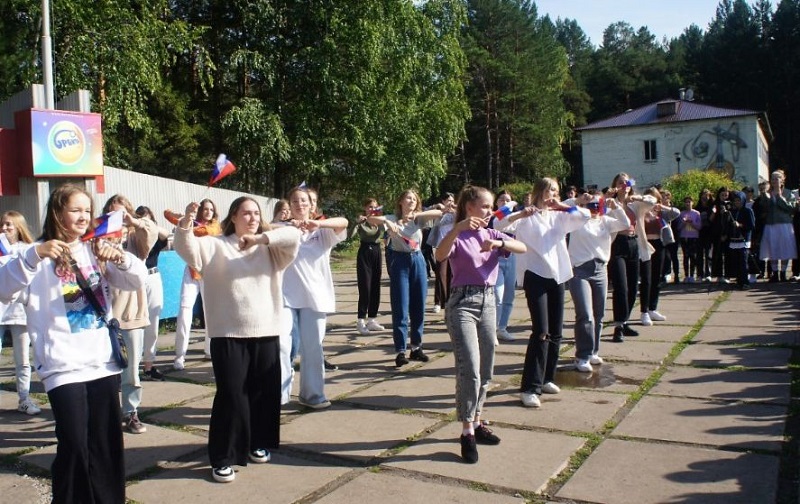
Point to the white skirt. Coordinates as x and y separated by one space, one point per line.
778 243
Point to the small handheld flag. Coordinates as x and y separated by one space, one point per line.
106 226
414 244
505 210
5 245
222 168
303 185
376 211
630 182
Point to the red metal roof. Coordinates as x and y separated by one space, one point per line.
686 111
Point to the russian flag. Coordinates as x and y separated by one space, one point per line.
376 211
106 226
5 245
222 168
505 210
630 182
411 243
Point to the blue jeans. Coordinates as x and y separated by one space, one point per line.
504 289
588 288
408 288
470 320
131 386
310 328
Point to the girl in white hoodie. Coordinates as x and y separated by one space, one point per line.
72 347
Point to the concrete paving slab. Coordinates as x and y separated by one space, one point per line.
759 320
275 482
608 377
368 485
194 414
410 391
630 472
19 431
157 394
673 306
528 469
24 489
636 349
724 385
142 451
358 435
729 425
724 356
662 331
197 370
558 412
748 335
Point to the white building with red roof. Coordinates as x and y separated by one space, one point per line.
671 136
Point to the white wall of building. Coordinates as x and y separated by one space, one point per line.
736 140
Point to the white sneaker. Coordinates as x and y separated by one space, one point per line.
595 360
646 320
178 364
530 400
655 316
707 279
373 325
723 280
504 335
362 327
583 365
437 308
223 474
28 407
550 388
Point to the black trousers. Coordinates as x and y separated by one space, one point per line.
369 264
546 306
624 275
246 414
649 289
89 467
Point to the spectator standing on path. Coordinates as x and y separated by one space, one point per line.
705 203
139 236
543 271
155 297
778 242
72 345
192 285
13 316
308 296
441 271
589 251
368 268
671 262
658 231
408 282
628 251
742 224
506 285
689 231
281 212
248 258
719 222
473 251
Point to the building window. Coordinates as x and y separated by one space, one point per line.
650 152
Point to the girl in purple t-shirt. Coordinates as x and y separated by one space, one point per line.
473 251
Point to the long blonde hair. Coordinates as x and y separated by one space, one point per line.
20 225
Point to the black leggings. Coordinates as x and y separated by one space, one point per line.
624 275
368 276
546 306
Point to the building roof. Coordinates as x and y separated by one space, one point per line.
678 111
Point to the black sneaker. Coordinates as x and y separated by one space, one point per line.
619 337
400 360
417 355
484 435
469 449
330 367
629 331
154 375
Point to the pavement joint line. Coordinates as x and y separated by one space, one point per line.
708 446
554 485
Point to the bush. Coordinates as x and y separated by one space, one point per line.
694 181
517 190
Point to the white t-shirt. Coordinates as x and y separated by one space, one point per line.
307 282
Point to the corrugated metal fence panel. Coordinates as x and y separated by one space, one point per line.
33 97
161 194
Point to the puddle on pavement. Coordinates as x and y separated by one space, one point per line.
602 376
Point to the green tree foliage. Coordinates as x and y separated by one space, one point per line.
517 73
692 182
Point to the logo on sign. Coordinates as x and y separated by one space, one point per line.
66 142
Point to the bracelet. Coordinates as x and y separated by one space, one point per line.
502 244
